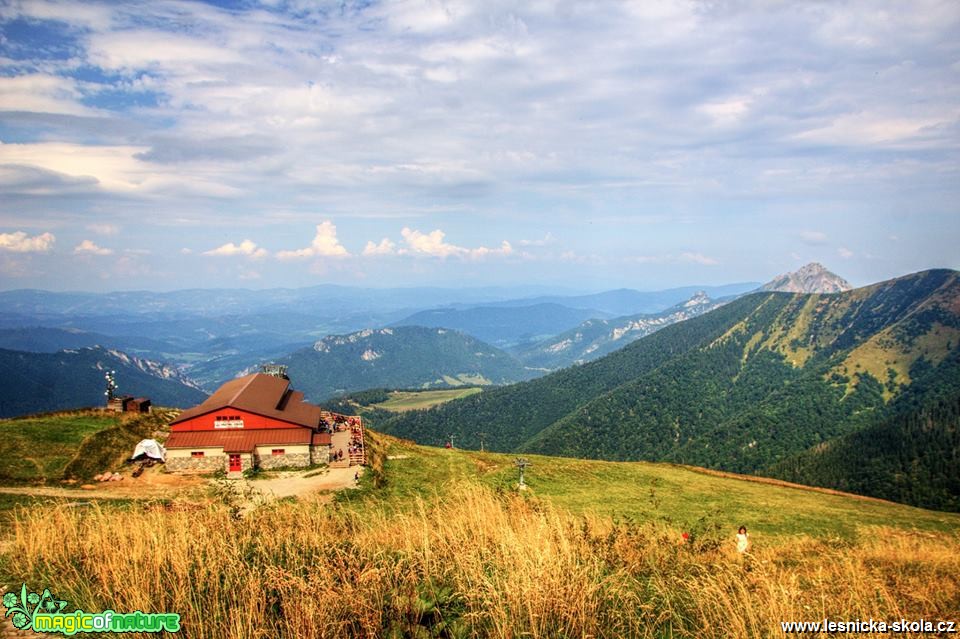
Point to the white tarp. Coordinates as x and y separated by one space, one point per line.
150 448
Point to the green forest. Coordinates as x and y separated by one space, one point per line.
756 386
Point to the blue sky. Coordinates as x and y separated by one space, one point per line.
161 145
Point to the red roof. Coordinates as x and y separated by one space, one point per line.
260 394
238 441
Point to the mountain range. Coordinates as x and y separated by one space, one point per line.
399 357
598 337
38 382
747 387
504 326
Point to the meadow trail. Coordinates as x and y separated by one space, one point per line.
284 484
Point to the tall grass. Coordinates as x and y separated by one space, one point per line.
473 563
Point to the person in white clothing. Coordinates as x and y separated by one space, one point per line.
743 541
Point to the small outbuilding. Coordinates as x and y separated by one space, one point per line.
149 449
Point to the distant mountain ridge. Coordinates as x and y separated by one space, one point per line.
749 385
598 337
503 326
399 357
39 382
811 278
626 301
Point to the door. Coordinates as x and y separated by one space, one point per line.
234 463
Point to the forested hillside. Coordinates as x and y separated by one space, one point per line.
399 357
513 414
912 456
742 388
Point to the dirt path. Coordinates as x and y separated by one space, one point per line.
295 484
152 484
157 486
69 493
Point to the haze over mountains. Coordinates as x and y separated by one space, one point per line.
507 325
212 336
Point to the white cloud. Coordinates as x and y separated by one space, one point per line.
544 241
813 237
448 110
385 247
116 168
148 49
433 244
844 252
87 247
726 112
104 229
246 248
42 93
698 258
686 257
20 242
873 129
325 244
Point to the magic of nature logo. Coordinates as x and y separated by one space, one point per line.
43 612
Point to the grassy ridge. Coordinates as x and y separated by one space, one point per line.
684 497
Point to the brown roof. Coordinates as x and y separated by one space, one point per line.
261 394
321 439
238 441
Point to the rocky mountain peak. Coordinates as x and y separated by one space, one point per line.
811 278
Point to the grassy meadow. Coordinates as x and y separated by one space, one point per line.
401 401
437 543
39 448
70 444
678 496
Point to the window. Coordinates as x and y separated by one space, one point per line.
197 453
278 451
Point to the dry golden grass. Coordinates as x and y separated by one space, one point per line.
472 563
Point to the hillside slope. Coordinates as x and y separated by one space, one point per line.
741 388
399 357
38 382
912 456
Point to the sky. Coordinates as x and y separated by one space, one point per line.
166 144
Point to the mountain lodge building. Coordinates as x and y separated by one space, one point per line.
259 421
